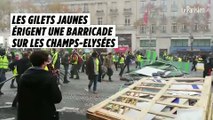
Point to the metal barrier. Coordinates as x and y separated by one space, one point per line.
7 80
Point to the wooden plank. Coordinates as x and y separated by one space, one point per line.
137 98
170 89
204 102
168 95
175 83
134 107
158 83
125 104
183 83
189 79
210 108
159 97
105 102
162 114
97 116
158 102
112 114
176 108
174 105
161 92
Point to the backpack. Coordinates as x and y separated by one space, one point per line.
80 60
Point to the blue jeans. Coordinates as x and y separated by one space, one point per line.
95 80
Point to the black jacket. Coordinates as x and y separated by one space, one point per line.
22 65
65 60
90 68
57 63
37 93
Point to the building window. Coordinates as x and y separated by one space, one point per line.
127 4
201 42
100 20
127 20
174 7
207 27
163 28
153 28
114 5
196 27
179 42
143 29
147 43
100 6
86 8
72 7
174 27
164 6
184 28
113 20
142 6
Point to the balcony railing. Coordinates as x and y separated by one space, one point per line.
114 12
100 12
127 11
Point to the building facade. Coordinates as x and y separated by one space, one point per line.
171 25
174 26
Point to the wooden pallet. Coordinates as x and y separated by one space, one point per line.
210 109
147 99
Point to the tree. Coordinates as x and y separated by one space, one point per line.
5 8
57 8
195 21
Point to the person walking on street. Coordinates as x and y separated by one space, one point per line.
127 63
194 63
14 71
138 60
4 62
56 63
65 63
108 62
38 91
115 60
75 66
92 70
84 57
121 62
21 66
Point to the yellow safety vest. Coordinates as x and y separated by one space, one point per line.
84 57
139 58
15 72
46 68
122 60
4 62
55 57
76 61
97 64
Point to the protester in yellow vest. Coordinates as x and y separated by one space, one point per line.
179 59
115 60
15 73
4 62
121 62
138 60
75 67
93 71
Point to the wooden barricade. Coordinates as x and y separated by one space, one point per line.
149 99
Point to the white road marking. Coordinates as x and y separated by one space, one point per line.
13 118
67 108
1 107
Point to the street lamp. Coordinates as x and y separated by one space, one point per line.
191 41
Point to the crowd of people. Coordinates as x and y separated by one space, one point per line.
39 74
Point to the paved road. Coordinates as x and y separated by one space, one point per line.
75 99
